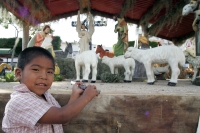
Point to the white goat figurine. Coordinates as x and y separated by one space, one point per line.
119 61
160 55
86 59
194 61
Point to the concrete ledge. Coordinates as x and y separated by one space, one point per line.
162 111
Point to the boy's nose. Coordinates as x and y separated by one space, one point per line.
43 75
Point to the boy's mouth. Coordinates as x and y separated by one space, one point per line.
42 84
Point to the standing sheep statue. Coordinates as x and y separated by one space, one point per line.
160 55
119 61
86 59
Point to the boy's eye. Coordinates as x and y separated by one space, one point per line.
35 69
50 72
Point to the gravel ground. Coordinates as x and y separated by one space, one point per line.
183 87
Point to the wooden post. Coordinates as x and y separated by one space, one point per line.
25 37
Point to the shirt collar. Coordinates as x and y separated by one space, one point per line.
21 88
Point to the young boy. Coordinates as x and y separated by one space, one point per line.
31 107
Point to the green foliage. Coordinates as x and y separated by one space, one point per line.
6 22
68 71
110 78
2 79
131 43
67 67
58 77
9 43
56 42
102 68
10 77
196 82
153 44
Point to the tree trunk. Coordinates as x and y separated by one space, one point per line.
13 52
25 37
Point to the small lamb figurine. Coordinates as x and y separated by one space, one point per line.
160 55
119 61
86 59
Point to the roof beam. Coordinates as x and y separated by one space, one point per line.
57 17
93 12
42 9
128 4
170 18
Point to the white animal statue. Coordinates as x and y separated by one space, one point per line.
119 61
85 60
187 9
192 7
165 54
194 61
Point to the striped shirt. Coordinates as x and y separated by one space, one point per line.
25 108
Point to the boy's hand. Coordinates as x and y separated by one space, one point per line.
76 91
90 92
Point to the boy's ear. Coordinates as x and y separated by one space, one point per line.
18 74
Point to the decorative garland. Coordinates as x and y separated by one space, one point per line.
34 8
5 15
87 6
170 19
38 8
128 4
155 10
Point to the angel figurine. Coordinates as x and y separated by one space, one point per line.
84 33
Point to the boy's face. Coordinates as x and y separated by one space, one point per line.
38 75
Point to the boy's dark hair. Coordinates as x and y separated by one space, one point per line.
28 54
